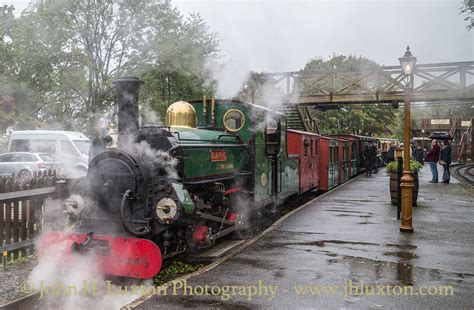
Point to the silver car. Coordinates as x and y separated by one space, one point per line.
25 163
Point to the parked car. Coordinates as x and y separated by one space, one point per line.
70 148
25 163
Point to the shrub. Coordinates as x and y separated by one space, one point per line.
414 166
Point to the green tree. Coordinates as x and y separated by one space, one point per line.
68 52
15 101
176 61
7 20
467 10
360 119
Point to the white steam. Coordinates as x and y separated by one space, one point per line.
159 158
229 76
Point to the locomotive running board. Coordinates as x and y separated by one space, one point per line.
114 256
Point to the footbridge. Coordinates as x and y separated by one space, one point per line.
442 82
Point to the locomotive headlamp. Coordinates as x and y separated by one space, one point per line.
167 210
108 140
111 138
73 205
70 205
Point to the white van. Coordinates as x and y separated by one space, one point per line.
70 148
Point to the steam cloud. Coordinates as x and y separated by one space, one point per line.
71 284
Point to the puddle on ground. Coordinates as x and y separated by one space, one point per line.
353 215
402 254
259 263
344 210
402 271
213 302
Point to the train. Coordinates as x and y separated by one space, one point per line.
217 167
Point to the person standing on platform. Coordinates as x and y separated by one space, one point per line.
377 156
368 160
391 153
419 155
445 161
432 158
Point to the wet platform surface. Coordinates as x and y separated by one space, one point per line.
345 251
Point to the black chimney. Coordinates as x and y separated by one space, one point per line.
127 95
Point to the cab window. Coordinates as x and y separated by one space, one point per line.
234 120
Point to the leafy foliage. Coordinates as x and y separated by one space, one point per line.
66 53
7 21
468 10
374 119
177 59
173 271
414 166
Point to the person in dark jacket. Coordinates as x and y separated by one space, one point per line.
432 158
391 153
376 157
446 158
368 159
419 155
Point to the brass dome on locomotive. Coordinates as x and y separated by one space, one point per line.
181 114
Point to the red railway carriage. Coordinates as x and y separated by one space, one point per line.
306 146
328 163
360 143
351 153
343 160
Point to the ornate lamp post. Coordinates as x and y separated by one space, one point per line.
407 62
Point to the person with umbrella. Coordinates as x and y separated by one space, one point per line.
445 161
432 158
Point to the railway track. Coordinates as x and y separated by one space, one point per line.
464 173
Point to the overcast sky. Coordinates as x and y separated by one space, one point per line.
283 35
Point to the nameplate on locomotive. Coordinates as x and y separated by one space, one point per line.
218 155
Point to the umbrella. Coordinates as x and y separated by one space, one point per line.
440 135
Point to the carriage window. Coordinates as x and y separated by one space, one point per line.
234 120
305 147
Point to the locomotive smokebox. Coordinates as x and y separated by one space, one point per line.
127 95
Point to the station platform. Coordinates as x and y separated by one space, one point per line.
344 250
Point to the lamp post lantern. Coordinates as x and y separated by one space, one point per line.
407 62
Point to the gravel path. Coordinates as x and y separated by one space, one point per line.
11 279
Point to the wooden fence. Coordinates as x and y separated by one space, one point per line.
21 209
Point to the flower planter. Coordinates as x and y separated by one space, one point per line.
394 187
